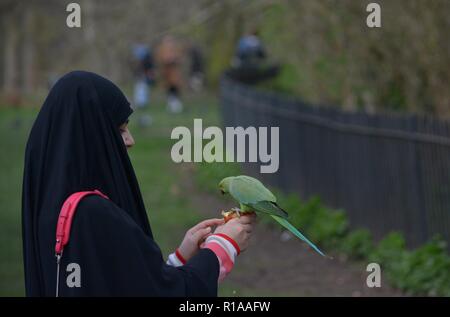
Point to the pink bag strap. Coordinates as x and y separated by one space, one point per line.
66 216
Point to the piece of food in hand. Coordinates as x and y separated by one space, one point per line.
232 213
252 195
228 215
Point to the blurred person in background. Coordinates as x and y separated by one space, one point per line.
249 50
196 76
143 71
249 63
168 57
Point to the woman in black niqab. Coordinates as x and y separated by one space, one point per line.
75 145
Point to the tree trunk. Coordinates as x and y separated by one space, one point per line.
29 50
11 66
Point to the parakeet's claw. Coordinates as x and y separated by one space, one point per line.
237 211
232 213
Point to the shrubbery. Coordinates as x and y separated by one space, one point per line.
323 227
357 244
423 271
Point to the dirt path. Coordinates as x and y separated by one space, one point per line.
273 266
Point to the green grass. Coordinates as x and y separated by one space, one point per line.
14 128
170 210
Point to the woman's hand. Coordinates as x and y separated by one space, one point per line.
195 236
239 229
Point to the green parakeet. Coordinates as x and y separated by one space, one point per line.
252 195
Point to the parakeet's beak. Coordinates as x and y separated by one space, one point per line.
222 191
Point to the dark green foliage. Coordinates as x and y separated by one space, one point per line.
323 226
357 244
423 271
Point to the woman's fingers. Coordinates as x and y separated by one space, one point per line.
200 234
207 223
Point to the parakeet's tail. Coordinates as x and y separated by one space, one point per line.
297 233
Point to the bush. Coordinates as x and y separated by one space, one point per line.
423 271
322 225
427 270
357 244
390 254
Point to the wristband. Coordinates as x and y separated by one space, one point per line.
180 257
235 245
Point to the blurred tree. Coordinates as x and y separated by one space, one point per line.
11 47
328 53
330 56
29 49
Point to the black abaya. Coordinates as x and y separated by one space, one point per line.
75 145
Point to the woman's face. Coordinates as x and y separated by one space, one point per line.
126 135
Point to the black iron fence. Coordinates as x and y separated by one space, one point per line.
388 172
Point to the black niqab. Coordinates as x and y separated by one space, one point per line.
75 145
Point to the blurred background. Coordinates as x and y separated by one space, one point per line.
363 116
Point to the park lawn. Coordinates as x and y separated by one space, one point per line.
169 208
14 129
